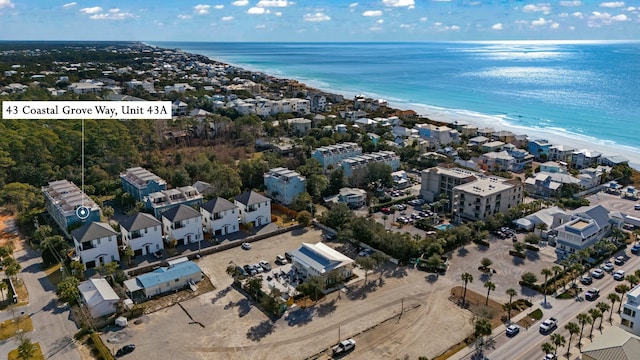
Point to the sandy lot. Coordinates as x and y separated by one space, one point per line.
234 328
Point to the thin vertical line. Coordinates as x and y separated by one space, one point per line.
83 193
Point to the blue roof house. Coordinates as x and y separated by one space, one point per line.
165 279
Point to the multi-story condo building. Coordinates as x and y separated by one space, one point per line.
486 196
500 161
538 148
439 181
253 208
182 224
143 233
62 199
141 182
284 185
355 167
584 158
96 244
631 312
164 200
560 153
330 156
583 228
220 216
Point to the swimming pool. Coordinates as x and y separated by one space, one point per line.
443 227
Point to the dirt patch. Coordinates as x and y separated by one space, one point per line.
475 303
165 301
8 231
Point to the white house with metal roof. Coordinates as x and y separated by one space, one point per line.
613 343
220 216
96 243
182 224
253 208
143 233
630 315
165 279
99 297
319 259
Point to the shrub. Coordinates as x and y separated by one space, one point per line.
518 254
481 242
105 354
532 248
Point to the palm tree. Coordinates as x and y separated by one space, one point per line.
632 279
594 313
467 278
613 297
573 329
623 288
385 217
547 348
511 292
603 307
637 273
583 319
490 287
558 340
546 273
26 349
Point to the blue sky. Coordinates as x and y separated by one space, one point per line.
322 20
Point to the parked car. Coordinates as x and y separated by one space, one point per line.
619 260
637 207
344 347
258 268
242 271
618 275
385 210
127 349
608 267
550 356
288 256
512 330
592 294
635 249
281 260
246 246
548 325
597 273
250 269
365 252
586 280
265 265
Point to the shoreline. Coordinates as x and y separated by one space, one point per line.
498 122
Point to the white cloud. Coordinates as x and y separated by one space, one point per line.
621 17
273 3
578 14
631 8
375 28
219 7
261 26
563 15
407 26
317 17
424 19
113 14
352 5
612 4
555 26
454 27
598 19
6 4
543 8
184 17
380 21
372 13
240 3
257 11
539 22
497 26
64 6
571 3
278 13
398 3
227 18
91 10
437 23
201 9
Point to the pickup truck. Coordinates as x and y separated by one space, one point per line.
548 325
344 347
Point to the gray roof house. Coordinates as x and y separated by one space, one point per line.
139 221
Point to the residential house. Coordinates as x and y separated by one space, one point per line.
182 224
179 108
613 160
592 177
543 185
62 200
141 182
96 244
469 131
354 198
505 136
439 182
560 153
496 161
492 146
552 167
486 132
478 141
284 185
584 158
142 233
319 260
178 275
538 148
86 87
400 179
631 313
521 158
544 216
220 216
332 155
204 188
355 167
486 196
585 227
438 135
300 126
254 208
613 343
164 200
318 103
301 107
99 297
178 87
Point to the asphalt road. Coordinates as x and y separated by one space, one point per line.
527 344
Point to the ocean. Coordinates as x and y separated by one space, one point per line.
581 94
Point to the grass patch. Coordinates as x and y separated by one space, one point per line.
8 328
21 291
530 319
54 274
37 355
536 314
452 350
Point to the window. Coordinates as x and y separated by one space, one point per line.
177 280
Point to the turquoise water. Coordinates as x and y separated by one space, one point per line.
582 94
443 227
